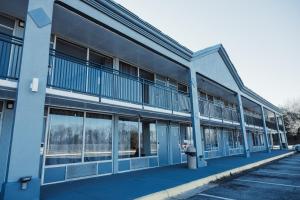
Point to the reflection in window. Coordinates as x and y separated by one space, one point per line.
234 138
128 138
65 137
98 137
186 137
210 139
148 138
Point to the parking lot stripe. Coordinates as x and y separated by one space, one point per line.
268 183
213 196
280 173
288 167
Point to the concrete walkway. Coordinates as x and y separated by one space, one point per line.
144 182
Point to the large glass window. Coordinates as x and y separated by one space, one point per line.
128 137
148 138
210 139
98 137
234 138
186 137
65 137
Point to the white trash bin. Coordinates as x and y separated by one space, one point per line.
191 157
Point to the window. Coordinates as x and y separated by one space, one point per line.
203 95
148 138
210 139
148 79
6 25
210 98
182 88
98 137
71 49
127 69
65 137
128 137
234 138
100 59
186 137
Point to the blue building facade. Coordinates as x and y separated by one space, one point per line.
89 89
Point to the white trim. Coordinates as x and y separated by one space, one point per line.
7 83
157 109
182 114
120 103
71 94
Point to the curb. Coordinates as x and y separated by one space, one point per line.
175 191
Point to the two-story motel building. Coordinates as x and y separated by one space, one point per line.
89 89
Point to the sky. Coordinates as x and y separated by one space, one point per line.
262 37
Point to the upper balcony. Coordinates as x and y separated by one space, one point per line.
216 103
10 56
253 120
216 111
77 75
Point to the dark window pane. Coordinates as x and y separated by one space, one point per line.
148 138
127 69
71 49
99 59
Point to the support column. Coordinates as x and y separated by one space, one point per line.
196 120
284 133
265 130
242 122
278 131
115 150
24 155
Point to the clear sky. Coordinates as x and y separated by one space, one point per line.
262 37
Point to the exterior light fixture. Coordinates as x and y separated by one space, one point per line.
34 85
21 24
9 105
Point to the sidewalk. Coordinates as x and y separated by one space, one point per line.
144 182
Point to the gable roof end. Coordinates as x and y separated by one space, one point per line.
222 52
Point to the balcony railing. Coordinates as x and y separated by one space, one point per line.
211 110
73 74
10 56
252 120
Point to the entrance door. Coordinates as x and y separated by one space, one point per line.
162 135
175 144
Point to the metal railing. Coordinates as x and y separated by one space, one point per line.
252 120
212 110
10 56
73 74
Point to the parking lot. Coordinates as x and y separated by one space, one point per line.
277 180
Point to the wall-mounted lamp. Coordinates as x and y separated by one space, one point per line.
24 182
34 85
21 24
10 105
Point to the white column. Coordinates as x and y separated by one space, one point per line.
196 120
243 128
284 133
278 131
265 129
24 158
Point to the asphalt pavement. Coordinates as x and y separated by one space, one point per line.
278 180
